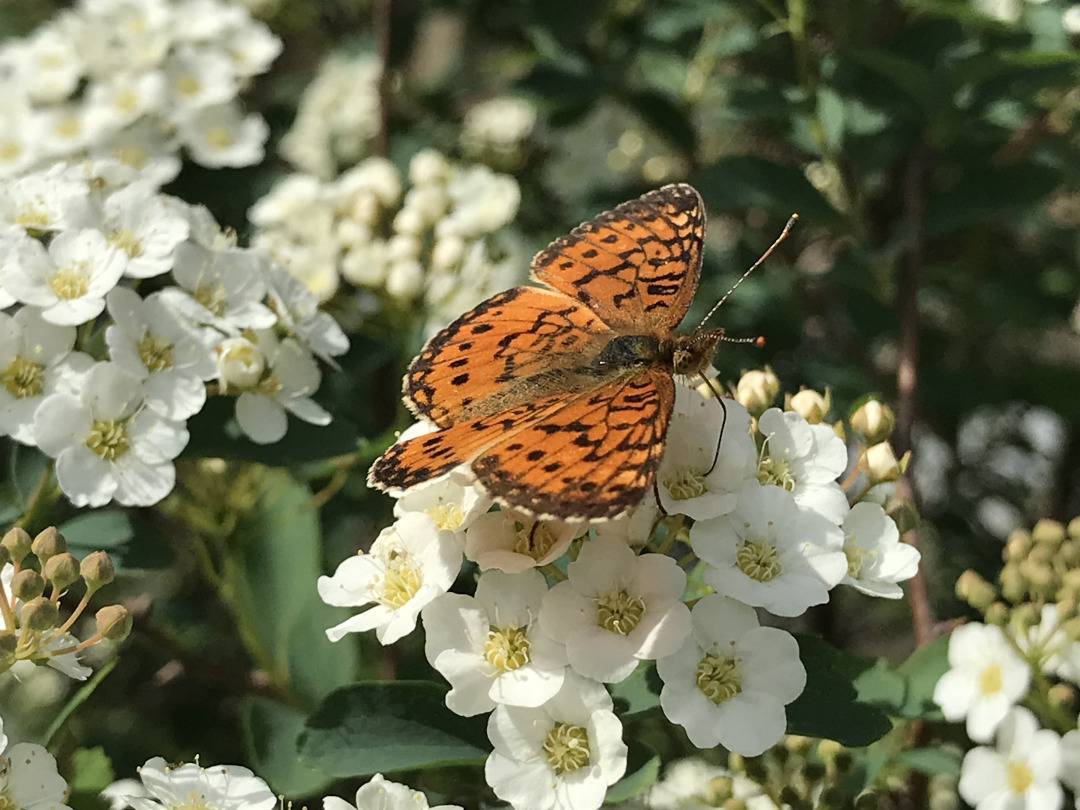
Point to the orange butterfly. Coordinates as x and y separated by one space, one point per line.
559 397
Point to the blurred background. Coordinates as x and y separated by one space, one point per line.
930 147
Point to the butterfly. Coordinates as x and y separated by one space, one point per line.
558 397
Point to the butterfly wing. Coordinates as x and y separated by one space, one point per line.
506 350
636 266
594 458
587 457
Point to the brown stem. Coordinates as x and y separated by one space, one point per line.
381 24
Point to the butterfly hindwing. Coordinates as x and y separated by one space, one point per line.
636 266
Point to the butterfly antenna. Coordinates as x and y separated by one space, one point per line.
783 235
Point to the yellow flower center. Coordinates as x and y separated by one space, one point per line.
108 438
990 679
619 612
1018 777
156 352
127 241
506 648
399 582
10 151
566 748
685 484
68 127
534 539
126 100
447 516
777 472
194 800
186 85
214 298
32 217
23 378
269 385
218 137
718 678
758 560
856 557
70 282
129 155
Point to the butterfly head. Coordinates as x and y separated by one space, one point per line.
691 354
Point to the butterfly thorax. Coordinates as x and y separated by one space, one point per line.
681 354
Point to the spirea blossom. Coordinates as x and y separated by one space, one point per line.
29 779
382 794
221 787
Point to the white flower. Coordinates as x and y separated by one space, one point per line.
490 647
146 226
482 202
708 454
616 609
124 98
52 200
298 310
225 287
145 147
29 779
222 787
171 357
877 560
560 756
687 785
269 377
500 124
1045 644
199 77
49 66
223 136
731 680
634 529
770 553
451 500
987 677
35 361
513 541
804 459
70 283
119 793
409 564
1070 762
1020 773
106 445
380 794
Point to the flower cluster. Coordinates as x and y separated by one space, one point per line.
31 627
338 116
29 779
136 80
497 131
1027 651
74 241
440 243
762 510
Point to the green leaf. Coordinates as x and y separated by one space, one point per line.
921 672
378 727
830 111
89 770
929 90
744 182
101 529
638 693
281 552
932 761
270 732
667 118
990 193
830 706
642 771
216 434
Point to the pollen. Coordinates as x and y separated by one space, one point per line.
507 648
990 679
156 352
193 800
685 484
213 297
69 283
758 560
534 540
447 516
718 678
399 581
127 241
619 612
566 748
1018 777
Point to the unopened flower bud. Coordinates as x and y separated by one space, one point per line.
240 364
1074 528
27 584
17 542
39 615
1048 533
48 542
828 749
810 405
1061 695
61 570
874 421
975 590
1071 628
1041 578
1024 616
1013 583
1069 554
733 804
880 463
97 569
1018 545
719 789
840 431
997 614
757 390
113 622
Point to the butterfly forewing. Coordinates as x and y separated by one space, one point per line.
484 360
636 266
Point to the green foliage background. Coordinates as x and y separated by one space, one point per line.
932 154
